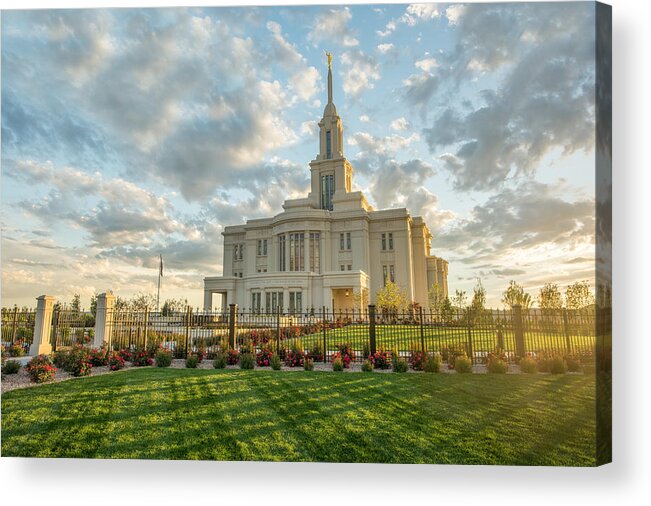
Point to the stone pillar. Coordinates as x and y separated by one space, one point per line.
207 300
42 343
104 318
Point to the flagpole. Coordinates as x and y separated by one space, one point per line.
160 272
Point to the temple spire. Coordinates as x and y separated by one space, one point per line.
329 55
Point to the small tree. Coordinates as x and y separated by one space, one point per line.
75 305
516 296
435 297
459 299
391 299
173 305
550 297
578 295
93 305
360 299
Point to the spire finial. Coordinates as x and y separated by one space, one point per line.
329 55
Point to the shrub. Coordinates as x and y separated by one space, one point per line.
192 361
316 353
41 369
399 364
432 363
153 347
141 358
126 354
115 361
381 359
99 356
15 350
345 353
367 366
573 362
247 361
294 358
263 358
557 365
462 364
543 363
78 362
220 361
528 365
60 358
275 362
163 358
338 364
308 364
496 365
11 367
232 356
417 359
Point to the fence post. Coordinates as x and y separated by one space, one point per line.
231 325
146 324
469 330
371 328
14 324
518 330
104 316
42 326
278 330
422 330
566 331
324 332
188 315
55 329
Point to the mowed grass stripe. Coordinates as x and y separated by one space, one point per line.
307 416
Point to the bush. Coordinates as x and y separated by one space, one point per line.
141 358
115 361
316 353
497 366
99 356
542 363
126 354
462 364
366 350
345 353
78 362
337 364
399 364
263 358
163 358
41 369
247 361
232 356
60 358
275 362
573 362
528 365
220 361
432 363
557 365
11 367
417 359
192 361
15 350
308 364
367 366
381 359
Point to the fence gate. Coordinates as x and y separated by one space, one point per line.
71 327
18 327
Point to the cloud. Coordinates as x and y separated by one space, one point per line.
385 48
544 102
359 72
332 26
427 64
400 124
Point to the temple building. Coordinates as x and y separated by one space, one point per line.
330 248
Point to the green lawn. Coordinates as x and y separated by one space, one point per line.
307 416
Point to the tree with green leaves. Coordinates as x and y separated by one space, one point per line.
515 295
578 295
435 297
459 299
478 303
75 305
391 299
171 306
550 297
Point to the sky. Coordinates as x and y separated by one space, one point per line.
133 133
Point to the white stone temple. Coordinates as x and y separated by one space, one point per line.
329 249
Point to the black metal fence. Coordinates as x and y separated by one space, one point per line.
322 333
18 326
71 327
